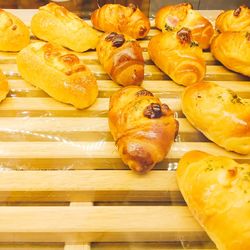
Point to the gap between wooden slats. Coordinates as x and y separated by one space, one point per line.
102 224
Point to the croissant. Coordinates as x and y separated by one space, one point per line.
216 190
234 20
117 18
232 49
221 115
178 56
174 17
121 58
59 73
14 35
142 127
56 24
4 87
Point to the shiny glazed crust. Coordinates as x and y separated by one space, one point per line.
4 87
234 20
56 24
174 17
59 73
142 127
14 35
216 190
117 18
183 61
121 58
221 115
232 49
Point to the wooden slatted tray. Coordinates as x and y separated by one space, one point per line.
63 185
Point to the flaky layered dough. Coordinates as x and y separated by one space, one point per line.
221 115
4 86
122 59
216 190
174 17
232 49
14 35
59 73
178 56
56 24
142 127
117 18
234 20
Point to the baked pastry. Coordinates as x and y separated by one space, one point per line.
232 49
59 73
221 115
177 55
117 18
234 20
121 57
174 17
14 35
216 190
143 128
56 24
4 87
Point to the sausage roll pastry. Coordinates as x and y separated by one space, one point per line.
221 115
4 87
122 59
143 128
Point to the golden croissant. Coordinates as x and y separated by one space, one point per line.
54 23
232 49
142 127
234 20
58 72
117 18
14 34
4 87
174 17
177 55
217 192
220 114
122 59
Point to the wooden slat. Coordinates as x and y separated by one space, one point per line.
102 224
85 186
30 246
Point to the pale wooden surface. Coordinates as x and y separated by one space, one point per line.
40 135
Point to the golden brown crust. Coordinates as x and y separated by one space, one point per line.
216 190
59 73
117 18
4 87
56 24
185 63
174 17
219 114
232 49
142 127
122 59
14 35
234 20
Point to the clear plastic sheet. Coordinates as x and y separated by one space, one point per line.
64 184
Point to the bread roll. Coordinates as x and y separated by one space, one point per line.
178 56
117 18
174 17
216 190
59 73
143 128
56 24
221 115
232 49
4 87
234 20
14 35
122 59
